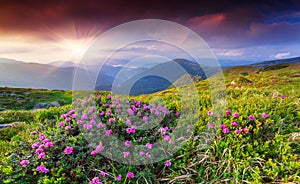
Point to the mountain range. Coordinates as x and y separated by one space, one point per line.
114 75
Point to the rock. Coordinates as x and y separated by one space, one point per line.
12 94
40 106
27 93
55 104
11 125
19 99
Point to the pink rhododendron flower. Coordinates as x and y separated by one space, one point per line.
94 152
68 150
210 125
251 118
42 155
166 137
130 111
79 122
42 168
119 177
84 117
24 162
87 126
264 115
209 113
103 174
177 114
168 163
130 175
245 130
72 111
127 143
171 142
42 137
99 148
95 181
140 139
108 132
125 154
35 145
32 133
147 155
46 140
228 112
157 113
149 146
102 113
100 125
74 116
68 127
223 126
111 120
142 153
108 113
226 130
61 124
236 115
49 144
39 151
68 119
145 118
234 123
128 122
238 131
21 142
93 121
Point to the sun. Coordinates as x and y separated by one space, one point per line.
78 51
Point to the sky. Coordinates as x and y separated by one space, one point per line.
48 31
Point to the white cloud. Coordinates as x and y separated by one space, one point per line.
280 55
231 53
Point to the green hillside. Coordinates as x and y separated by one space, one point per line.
255 139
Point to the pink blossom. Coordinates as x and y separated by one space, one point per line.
32 133
228 112
21 143
127 143
87 126
35 145
93 121
238 131
234 123
111 120
140 139
264 115
166 137
103 174
46 140
168 163
222 126
142 153
42 168
171 142
145 118
84 117
139 113
209 113
49 144
68 119
177 114
42 155
74 116
236 115
72 111
226 130
245 130
42 137
125 154
79 122
109 97
130 175
108 132
147 155
100 125
210 125
108 113
102 113
68 150
149 146
119 177
39 151
95 181
157 113
130 111
99 148
61 124
24 162
68 127
251 118
128 122
94 152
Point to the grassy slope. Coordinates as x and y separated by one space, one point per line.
245 97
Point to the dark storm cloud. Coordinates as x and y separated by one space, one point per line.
223 24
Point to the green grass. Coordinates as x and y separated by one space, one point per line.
29 97
265 154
